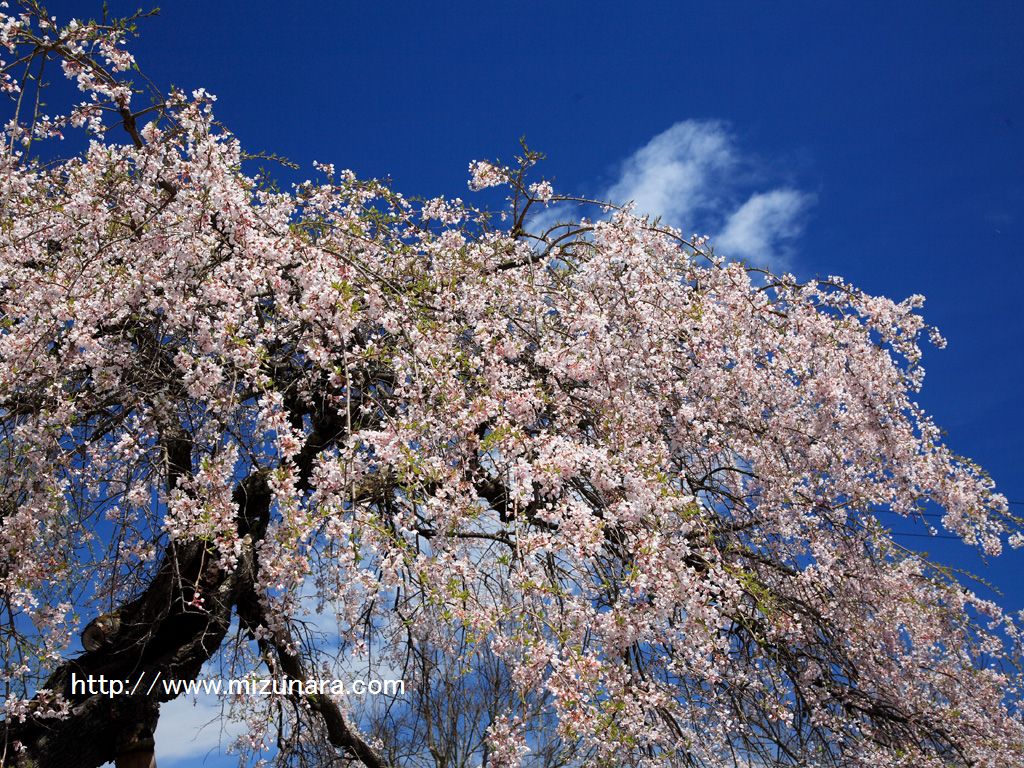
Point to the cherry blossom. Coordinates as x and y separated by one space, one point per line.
607 497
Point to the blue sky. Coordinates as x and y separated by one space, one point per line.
881 141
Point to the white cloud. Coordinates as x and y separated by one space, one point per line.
191 729
760 229
674 176
691 176
676 173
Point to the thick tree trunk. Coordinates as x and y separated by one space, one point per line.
157 636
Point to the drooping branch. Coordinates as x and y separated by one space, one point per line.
276 650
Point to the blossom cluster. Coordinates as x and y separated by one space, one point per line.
650 488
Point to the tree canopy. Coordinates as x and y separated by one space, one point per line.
599 496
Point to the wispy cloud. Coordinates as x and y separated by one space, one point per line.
193 731
762 228
677 173
692 177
